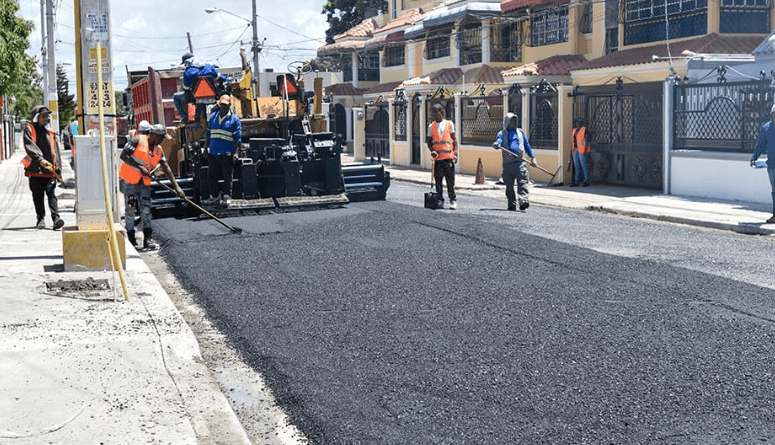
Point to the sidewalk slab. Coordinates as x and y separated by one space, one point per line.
82 365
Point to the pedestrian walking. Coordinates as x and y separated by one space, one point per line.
581 148
141 156
516 151
42 165
766 144
223 138
442 143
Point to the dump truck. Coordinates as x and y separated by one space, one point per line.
287 160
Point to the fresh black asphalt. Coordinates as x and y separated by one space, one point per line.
386 323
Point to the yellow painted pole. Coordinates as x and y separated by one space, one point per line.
112 235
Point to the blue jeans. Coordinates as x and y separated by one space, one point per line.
771 175
179 98
580 163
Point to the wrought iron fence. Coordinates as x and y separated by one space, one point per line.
377 130
399 120
482 118
543 116
723 117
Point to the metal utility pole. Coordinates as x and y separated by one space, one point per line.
256 50
43 56
51 95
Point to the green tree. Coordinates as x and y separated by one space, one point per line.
18 77
342 15
66 102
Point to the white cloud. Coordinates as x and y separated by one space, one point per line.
154 33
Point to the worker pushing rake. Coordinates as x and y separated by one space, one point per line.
516 150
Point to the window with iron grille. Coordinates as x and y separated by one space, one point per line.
481 120
347 68
394 55
469 44
437 45
645 20
549 26
585 20
368 66
745 16
505 41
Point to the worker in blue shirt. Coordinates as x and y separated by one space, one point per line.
516 149
194 70
223 137
766 143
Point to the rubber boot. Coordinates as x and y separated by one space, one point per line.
148 243
131 235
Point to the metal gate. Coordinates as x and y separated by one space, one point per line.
543 116
515 101
338 119
377 130
625 123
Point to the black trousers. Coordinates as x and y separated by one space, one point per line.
445 169
40 187
220 167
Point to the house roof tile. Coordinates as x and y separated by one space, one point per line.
552 66
407 18
383 88
342 89
707 44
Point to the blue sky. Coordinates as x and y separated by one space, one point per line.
153 33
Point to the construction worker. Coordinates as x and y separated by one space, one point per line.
194 70
42 165
513 140
141 156
223 138
766 144
443 146
580 140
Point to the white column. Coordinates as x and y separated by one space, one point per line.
667 132
354 57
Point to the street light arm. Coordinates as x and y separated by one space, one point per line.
212 10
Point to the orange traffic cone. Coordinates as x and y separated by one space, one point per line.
479 173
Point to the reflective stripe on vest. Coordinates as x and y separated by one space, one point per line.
579 135
226 135
443 143
27 160
142 157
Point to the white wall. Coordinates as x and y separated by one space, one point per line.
718 176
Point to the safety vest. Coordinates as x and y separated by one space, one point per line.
142 157
27 160
579 137
443 144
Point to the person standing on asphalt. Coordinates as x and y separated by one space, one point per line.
141 155
443 146
223 137
580 139
42 165
514 140
766 143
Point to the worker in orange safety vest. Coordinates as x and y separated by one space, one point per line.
141 155
580 139
42 165
443 146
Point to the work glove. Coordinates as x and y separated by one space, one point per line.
496 146
180 192
533 162
434 154
454 160
144 171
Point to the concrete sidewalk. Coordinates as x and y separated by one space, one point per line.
81 365
741 217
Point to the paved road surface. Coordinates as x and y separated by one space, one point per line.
385 323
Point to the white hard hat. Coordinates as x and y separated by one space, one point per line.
144 126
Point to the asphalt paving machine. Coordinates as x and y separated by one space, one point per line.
287 161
